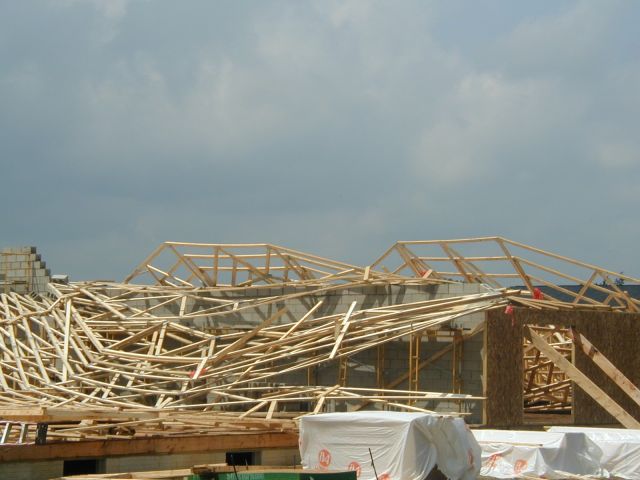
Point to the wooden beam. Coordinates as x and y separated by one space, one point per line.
605 365
343 330
155 446
580 379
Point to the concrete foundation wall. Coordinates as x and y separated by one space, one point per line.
31 470
273 457
282 457
141 463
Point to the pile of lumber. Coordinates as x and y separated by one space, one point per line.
88 346
106 359
546 387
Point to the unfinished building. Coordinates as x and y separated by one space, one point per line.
207 349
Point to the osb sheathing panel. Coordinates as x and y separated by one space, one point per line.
503 370
616 335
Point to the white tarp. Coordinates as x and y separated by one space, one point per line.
620 448
405 446
511 453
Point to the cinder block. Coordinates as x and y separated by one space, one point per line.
21 250
280 457
474 288
288 290
31 470
250 293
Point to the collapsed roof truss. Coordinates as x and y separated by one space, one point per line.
137 348
181 264
499 262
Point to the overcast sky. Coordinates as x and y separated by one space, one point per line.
335 127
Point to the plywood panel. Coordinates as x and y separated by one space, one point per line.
615 334
503 370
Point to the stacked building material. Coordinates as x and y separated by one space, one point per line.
23 271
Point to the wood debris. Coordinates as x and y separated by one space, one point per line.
126 360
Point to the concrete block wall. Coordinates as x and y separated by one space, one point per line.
141 463
280 457
31 470
436 377
334 302
44 470
23 271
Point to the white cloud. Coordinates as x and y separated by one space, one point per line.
334 127
227 112
345 12
564 43
618 155
484 122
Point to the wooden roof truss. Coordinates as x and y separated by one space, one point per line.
127 359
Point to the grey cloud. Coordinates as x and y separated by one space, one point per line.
335 127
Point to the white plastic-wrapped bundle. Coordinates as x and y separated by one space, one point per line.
513 453
620 448
405 446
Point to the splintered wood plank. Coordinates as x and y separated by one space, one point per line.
134 338
323 397
272 409
343 330
67 334
278 344
241 342
205 358
102 303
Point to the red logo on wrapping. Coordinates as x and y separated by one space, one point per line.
384 476
324 458
492 461
355 466
519 466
